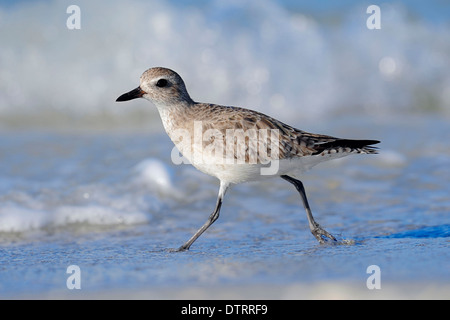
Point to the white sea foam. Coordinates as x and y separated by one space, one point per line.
48 208
250 53
155 174
19 218
14 218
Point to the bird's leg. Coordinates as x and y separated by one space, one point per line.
213 217
315 228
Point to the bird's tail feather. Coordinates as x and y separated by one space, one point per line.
347 145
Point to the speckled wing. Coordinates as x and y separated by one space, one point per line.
292 142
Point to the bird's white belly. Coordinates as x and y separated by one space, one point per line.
238 173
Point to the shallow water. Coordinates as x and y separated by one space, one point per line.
87 199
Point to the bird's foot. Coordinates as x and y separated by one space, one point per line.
322 235
180 249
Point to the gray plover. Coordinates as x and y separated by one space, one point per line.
202 132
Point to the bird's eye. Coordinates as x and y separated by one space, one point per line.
162 83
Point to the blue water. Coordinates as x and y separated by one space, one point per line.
92 205
88 182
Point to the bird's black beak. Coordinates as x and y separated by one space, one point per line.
133 94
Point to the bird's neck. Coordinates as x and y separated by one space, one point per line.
174 116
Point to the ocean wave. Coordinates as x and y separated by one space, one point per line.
259 54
